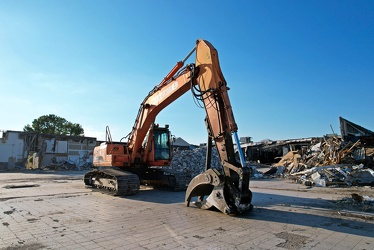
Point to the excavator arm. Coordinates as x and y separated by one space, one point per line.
227 191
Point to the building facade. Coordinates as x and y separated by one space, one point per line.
34 150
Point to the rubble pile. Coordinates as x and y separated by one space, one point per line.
327 163
193 161
330 152
68 165
335 175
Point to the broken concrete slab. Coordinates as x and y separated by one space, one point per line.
361 177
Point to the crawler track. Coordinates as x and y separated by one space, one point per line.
167 179
113 182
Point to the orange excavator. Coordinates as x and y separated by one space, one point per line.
146 156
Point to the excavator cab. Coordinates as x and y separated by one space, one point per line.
158 146
162 144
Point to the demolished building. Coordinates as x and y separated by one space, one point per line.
268 151
35 150
334 160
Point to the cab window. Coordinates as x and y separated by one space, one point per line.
162 145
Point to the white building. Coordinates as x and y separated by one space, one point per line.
42 150
11 149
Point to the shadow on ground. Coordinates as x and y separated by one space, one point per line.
310 212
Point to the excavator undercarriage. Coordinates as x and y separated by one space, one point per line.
112 181
121 183
165 178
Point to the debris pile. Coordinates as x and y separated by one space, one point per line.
193 161
68 165
335 175
327 163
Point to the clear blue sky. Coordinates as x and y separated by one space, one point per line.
293 67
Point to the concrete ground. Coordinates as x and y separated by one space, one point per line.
54 210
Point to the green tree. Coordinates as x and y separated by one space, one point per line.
52 124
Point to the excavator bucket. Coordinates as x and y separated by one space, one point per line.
214 192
